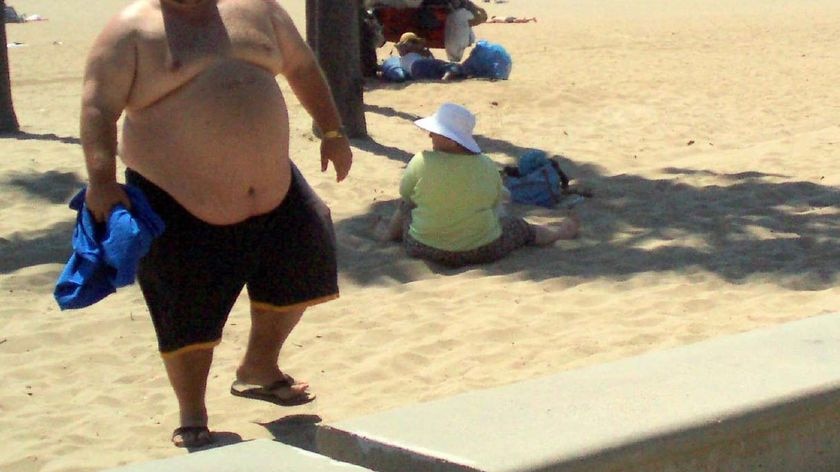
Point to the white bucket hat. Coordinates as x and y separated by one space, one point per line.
453 121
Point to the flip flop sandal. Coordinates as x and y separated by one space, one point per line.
272 393
192 436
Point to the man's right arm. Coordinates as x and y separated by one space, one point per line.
109 76
309 85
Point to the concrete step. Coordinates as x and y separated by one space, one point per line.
261 455
766 400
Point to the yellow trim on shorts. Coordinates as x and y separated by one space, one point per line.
190 348
307 303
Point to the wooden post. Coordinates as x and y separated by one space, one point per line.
8 119
332 31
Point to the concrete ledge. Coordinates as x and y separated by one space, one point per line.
765 400
262 455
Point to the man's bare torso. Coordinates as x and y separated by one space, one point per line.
205 119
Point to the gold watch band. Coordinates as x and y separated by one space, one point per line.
333 134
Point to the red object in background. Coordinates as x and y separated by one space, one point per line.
396 21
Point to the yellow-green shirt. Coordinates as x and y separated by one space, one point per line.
455 197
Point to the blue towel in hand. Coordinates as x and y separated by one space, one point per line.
106 255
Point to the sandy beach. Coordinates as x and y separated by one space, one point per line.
708 132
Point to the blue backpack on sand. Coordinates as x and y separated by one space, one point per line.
536 180
488 60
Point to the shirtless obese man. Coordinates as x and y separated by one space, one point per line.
206 124
205 119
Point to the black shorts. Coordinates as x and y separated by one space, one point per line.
195 271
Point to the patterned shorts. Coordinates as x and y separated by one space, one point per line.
516 232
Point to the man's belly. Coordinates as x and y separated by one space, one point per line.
219 144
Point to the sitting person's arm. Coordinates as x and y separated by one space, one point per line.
391 229
410 178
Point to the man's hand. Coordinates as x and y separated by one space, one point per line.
101 198
338 151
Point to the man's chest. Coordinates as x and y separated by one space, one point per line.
176 45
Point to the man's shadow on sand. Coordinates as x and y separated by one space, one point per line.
220 439
295 430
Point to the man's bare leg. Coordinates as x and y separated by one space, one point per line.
188 376
269 330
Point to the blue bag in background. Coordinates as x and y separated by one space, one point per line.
535 182
488 60
393 71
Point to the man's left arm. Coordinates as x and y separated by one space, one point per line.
305 77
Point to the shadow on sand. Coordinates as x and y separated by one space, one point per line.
295 430
24 136
787 231
41 246
752 224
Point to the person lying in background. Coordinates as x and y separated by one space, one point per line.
511 19
416 61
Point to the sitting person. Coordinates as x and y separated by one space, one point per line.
449 212
418 62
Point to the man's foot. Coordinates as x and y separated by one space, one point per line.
283 392
192 436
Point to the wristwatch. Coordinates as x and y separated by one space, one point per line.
333 134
